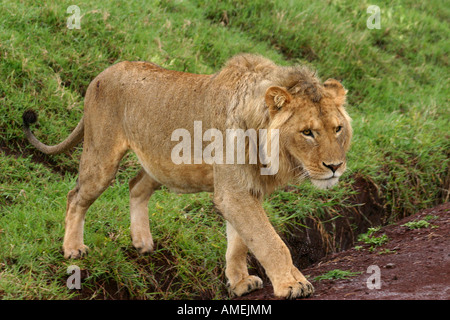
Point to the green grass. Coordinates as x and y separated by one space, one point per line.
397 79
336 274
419 224
369 238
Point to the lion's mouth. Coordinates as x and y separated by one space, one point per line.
334 175
324 179
324 183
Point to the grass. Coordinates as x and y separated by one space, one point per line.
336 274
419 224
374 242
397 79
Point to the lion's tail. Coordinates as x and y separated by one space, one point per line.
29 117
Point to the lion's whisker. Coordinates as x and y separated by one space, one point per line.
295 168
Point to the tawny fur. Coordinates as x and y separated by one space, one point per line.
138 105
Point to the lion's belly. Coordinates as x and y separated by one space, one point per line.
157 105
182 178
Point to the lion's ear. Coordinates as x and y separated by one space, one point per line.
338 90
276 99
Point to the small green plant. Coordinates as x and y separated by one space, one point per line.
419 224
370 239
336 274
387 251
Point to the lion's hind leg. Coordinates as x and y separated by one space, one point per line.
98 167
141 189
239 281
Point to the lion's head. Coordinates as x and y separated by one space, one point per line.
313 125
315 129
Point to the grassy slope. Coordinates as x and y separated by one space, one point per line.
397 79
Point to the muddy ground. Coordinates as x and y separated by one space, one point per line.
414 264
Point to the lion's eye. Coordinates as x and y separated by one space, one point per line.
338 128
308 133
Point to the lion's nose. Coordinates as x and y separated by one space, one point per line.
333 167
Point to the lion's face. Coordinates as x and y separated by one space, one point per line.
316 135
318 138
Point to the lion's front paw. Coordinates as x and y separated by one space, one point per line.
144 246
294 290
245 286
75 252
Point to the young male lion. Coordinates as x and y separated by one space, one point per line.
138 105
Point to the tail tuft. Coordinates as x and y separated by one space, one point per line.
29 117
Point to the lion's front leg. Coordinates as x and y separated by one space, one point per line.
248 219
239 281
141 189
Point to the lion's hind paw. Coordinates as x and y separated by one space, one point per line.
245 286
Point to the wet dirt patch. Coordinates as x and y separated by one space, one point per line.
413 264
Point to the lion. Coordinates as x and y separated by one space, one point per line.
137 106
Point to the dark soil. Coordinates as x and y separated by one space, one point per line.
414 264
12 149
